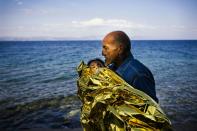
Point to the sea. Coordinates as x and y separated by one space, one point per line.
38 80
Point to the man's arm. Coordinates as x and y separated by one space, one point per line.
145 84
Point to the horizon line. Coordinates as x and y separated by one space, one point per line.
101 40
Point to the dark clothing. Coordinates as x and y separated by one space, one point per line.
137 75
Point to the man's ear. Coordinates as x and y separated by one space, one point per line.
121 48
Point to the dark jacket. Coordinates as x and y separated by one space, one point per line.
137 75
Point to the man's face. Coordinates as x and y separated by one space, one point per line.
110 50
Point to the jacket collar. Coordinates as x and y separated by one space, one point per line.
118 69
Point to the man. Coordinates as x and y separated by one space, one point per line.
118 57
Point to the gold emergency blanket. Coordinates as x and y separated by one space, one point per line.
111 104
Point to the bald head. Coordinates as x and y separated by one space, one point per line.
116 47
120 37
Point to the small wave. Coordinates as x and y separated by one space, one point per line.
73 113
42 103
59 78
44 112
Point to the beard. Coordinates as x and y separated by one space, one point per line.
112 60
108 61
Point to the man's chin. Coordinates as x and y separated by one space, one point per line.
107 62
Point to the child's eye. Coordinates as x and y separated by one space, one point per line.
93 66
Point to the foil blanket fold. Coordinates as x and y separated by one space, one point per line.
111 104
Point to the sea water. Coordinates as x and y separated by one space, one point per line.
38 80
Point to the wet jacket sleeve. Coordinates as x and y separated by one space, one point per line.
142 82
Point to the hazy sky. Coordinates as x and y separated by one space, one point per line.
92 19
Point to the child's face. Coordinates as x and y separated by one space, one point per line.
94 66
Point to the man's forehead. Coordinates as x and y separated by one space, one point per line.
108 40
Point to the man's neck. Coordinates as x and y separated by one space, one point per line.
122 59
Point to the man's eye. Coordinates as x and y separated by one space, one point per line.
106 48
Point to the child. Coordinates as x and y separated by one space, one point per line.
95 64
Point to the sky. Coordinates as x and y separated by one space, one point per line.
93 19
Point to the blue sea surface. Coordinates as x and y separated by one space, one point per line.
38 80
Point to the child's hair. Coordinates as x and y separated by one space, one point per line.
96 60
